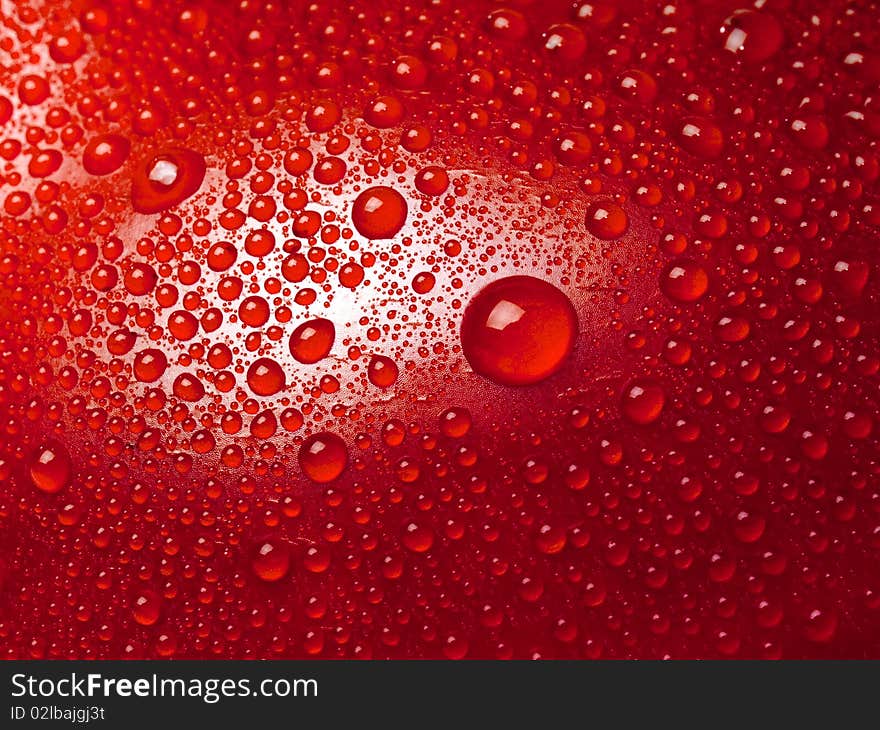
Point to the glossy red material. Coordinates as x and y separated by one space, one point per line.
444 329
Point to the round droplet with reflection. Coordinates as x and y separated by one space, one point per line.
684 281
169 178
323 457
382 371
146 607
271 561
518 330
423 282
811 131
455 422
312 340
573 148
379 212
732 328
50 467
188 387
105 153
606 220
149 365
849 277
775 418
753 36
507 24
417 538
643 402
564 42
265 377
701 137
432 180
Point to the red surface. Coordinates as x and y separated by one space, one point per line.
670 450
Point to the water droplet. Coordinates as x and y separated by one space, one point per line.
382 371
105 154
518 330
753 36
643 402
312 340
379 212
163 181
271 561
146 607
323 457
684 281
150 365
50 467
606 220
266 377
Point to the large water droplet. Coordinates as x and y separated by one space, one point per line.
518 330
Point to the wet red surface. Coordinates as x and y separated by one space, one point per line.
439 329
